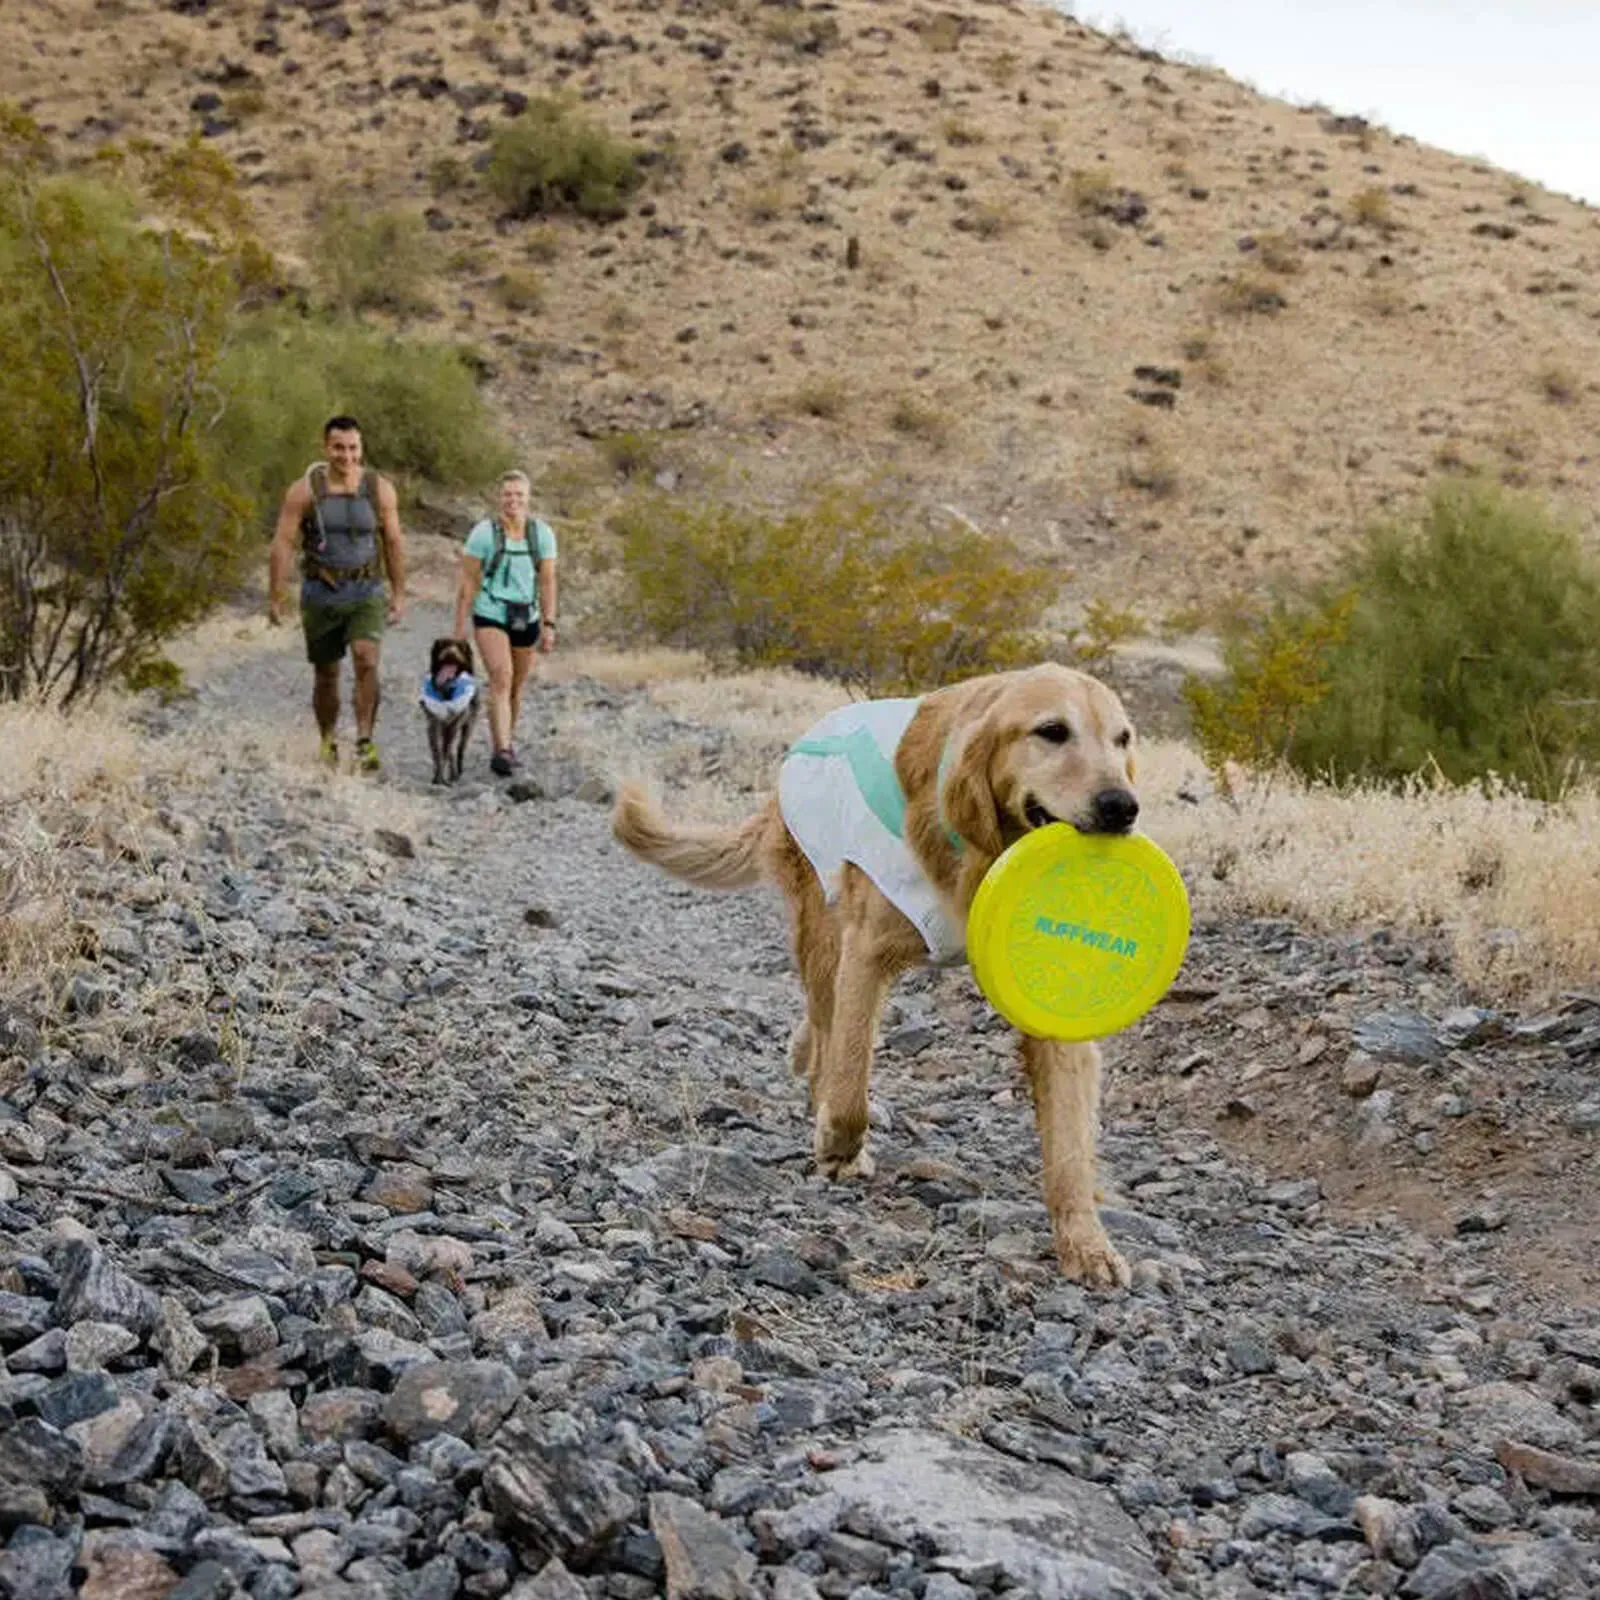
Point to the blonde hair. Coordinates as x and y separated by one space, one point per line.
517 475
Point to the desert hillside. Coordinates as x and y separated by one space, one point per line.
1180 335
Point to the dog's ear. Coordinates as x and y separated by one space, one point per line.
466 656
966 797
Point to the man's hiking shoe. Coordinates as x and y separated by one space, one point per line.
367 756
329 754
500 764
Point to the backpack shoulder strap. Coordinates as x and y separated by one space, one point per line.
311 528
497 557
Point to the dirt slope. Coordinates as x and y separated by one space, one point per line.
1334 314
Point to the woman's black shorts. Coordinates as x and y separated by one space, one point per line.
521 638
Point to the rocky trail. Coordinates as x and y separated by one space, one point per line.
426 1212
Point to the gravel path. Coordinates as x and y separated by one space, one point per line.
425 1212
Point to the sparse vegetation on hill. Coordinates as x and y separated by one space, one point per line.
988 219
158 404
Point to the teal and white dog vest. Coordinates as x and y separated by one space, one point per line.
841 799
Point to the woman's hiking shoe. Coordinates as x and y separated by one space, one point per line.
367 756
500 764
329 755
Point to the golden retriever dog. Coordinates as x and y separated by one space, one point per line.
947 781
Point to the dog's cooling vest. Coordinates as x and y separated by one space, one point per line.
841 799
446 707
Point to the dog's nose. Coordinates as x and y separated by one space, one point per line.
1115 810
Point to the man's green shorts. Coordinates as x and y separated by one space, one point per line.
331 626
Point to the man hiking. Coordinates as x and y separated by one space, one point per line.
345 518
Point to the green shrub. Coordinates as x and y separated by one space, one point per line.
118 526
1464 645
520 289
846 588
630 454
373 261
917 419
551 159
1277 672
423 416
826 397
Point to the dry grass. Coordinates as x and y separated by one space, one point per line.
1559 384
759 706
96 781
1511 882
826 397
1371 209
520 290
1280 253
55 791
1246 294
626 669
919 419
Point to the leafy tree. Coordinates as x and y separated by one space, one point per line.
117 528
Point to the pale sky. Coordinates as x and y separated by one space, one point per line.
1516 82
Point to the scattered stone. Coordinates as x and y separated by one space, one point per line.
704 1560
1545 1469
550 1495
467 1398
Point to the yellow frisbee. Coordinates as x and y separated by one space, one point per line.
1075 935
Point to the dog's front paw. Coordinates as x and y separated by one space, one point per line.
842 1153
840 1170
1087 1256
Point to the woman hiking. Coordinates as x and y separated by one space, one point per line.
508 587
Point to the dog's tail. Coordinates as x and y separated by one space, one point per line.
713 858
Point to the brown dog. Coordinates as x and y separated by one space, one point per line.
887 816
450 700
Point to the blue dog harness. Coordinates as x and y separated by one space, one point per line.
449 705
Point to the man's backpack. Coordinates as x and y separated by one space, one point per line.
314 536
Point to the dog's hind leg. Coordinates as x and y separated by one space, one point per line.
816 953
875 945
436 748
1066 1102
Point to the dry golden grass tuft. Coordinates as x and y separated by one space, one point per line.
917 418
1371 209
1559 384
520 290
825 398
1246 294
1511 882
